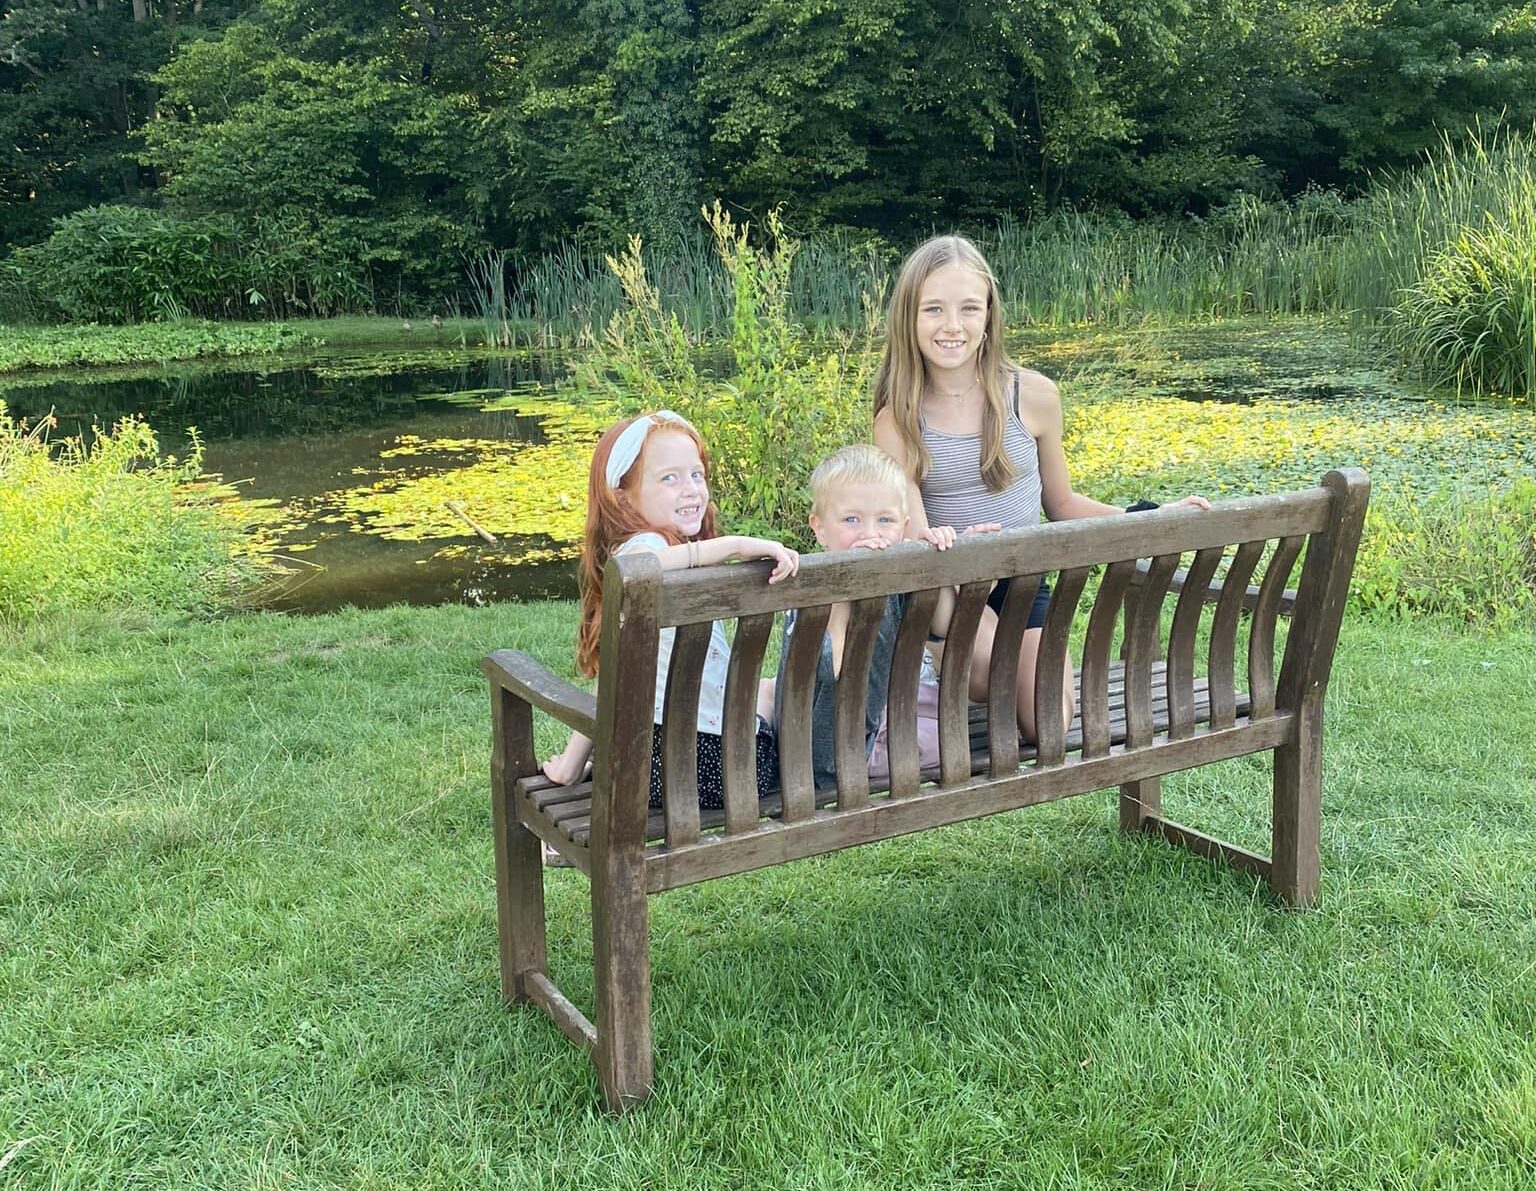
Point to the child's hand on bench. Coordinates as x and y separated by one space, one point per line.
942 537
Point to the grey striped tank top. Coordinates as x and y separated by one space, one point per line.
953 491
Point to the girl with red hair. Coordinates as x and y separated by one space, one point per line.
649 490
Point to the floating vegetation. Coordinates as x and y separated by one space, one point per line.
1117 448
62 347
513 489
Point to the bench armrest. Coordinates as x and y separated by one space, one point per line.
1213 592
515 671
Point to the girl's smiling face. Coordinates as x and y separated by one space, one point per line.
951 320
672 491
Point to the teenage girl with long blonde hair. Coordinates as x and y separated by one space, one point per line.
979 437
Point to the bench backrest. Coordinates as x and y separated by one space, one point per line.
1227 550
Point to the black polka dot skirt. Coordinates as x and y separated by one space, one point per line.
712 771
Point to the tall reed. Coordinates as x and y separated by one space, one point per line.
1316 254
1444 264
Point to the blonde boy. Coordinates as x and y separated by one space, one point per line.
859 502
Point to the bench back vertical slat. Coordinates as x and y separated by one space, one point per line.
1261 632
852 706
1003 675
1223 649
1051 665
901 696
1142 640
1093 698
626 705
739 730
1322 593
680 737
954 683
797 685
1181 642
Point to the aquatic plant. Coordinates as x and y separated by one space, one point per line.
532 493
55 347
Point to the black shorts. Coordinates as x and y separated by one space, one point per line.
1036 610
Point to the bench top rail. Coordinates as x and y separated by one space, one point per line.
694 595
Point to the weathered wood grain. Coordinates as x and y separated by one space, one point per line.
1138 719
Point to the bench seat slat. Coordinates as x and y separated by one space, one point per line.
572 818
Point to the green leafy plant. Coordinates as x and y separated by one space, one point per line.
110 523
1471 557
56 347
776 404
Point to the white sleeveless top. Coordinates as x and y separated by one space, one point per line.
716 661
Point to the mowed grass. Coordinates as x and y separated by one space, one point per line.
247 939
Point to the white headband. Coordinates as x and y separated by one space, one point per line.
626 448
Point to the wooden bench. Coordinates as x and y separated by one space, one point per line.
1149 703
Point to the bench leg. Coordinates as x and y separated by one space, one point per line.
1298 813
520 920
621 958
1140 801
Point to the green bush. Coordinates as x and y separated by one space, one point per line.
121 264
1469 557
775 407
124 264
1469 320
109 524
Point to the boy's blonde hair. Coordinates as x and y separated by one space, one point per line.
858 464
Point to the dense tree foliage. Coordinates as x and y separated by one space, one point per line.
366 150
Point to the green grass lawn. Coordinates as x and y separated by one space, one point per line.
247 939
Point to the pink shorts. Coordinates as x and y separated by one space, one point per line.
927 735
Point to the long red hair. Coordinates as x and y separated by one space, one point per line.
612 520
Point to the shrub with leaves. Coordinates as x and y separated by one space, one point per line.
1470 318
770 411
190 339
109 523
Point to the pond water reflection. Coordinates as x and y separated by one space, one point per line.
349 462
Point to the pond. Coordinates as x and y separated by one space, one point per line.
371 473
350 463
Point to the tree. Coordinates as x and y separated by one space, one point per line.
1417 67
74 90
